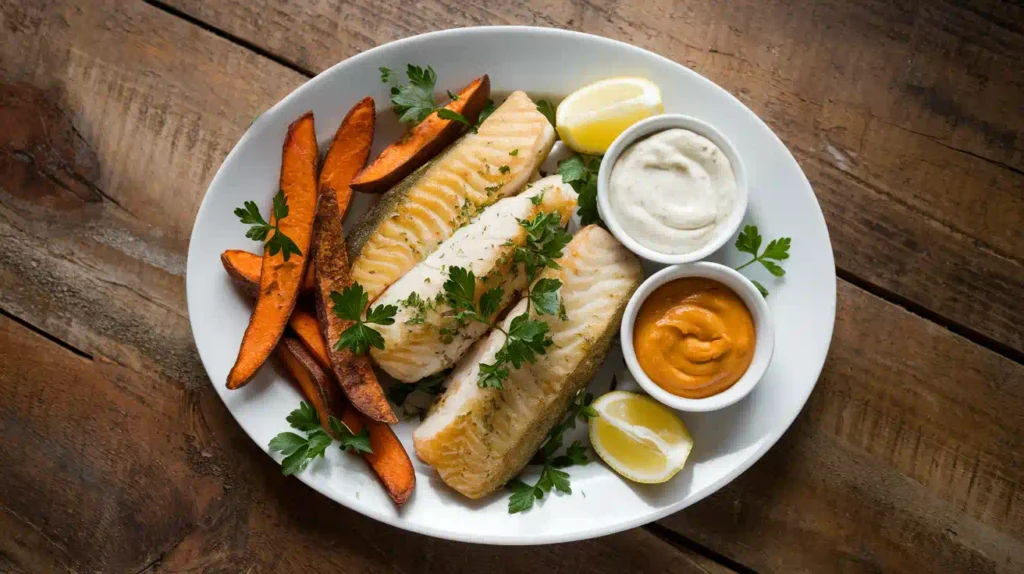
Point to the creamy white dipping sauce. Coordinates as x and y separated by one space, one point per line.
673 191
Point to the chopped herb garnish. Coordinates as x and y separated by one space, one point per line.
414 102
486 112
349 305
514 152
525 338
545 107
580 171
298 450
777 250
249 214
404 395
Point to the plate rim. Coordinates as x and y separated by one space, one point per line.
519 539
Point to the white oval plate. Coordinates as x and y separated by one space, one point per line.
544 63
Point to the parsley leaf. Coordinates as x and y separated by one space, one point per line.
414 102
504 169
544 296
522 497
459 288
490 301
572 169
286 443
545 107
349 304
580 171
359 337
576 454
259 229
446 114
492 375
304 418
749 241
350 441
777 249
486 112
432 386
514 152
381 314
299 450
526 339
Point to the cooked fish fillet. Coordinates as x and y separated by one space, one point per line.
423 340
480 438
428 206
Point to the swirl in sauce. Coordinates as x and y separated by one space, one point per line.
694 337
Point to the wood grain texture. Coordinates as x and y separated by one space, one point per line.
905 116
113 118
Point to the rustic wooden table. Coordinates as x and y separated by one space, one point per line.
118 456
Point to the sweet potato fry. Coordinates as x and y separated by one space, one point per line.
388 460
423 141
319 390
303 321
348 153
280 279
245 268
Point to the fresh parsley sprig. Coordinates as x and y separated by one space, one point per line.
351 442
404 394
525 338
249 214
414 101
298 450
486 112
349 305
580 171
777 250
545 107
551 476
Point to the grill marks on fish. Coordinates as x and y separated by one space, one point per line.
435 200
485 247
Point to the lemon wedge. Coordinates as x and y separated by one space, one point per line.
638 437
590 118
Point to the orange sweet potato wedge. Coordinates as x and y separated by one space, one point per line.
423 141
303 321
348 153
245 267
389 460
280 278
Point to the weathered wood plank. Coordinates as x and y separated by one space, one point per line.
110 282
906 116
130 461
908 457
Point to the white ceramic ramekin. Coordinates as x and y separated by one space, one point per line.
764 333
651 126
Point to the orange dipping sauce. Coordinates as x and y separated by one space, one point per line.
694 337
